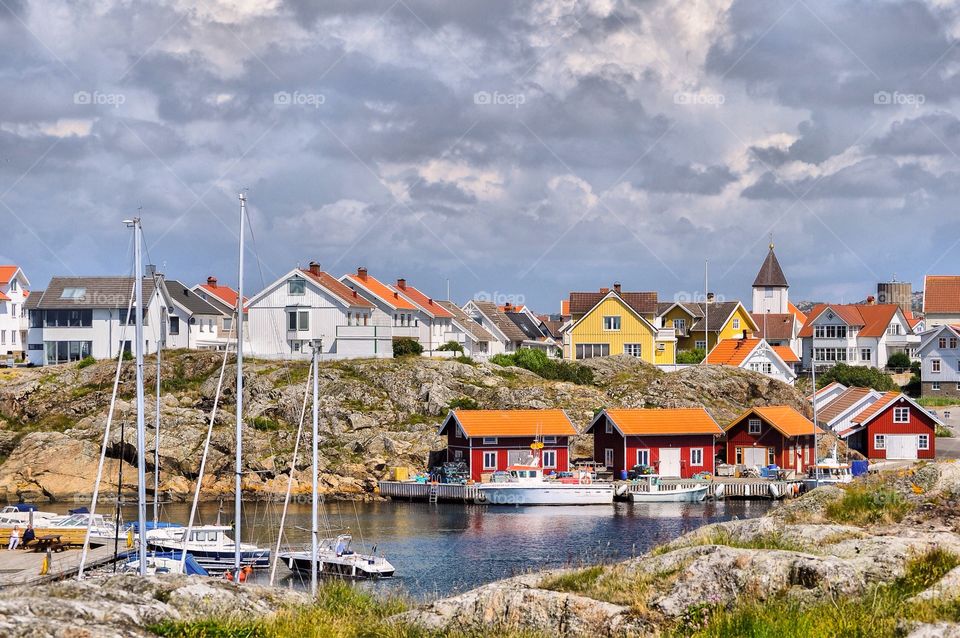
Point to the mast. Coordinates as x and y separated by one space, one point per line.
813 382
239 445
141 423
314 531
706 308
156 440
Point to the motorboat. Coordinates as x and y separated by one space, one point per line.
829 471
102 530
336 558
654 491
166 563
524 484
210 545
23 514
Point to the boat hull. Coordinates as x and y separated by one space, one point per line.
682 495
300 563
219 560
560 494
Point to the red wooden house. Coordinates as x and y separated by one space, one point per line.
893 427
772 435
491 440
675 441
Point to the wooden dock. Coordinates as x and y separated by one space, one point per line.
22 567
435 492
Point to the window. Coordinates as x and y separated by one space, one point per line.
830 354
489 460
942 342
591 350
3 337
866 354
696 456
297 286
608 428
13 285
64 351
549 458
901 415
739 456
736 324
611 323
771 456
174 325
893 329
879 442
608 457
700 345
36 318
935 385
457 454
489 440
68 318
73 293
830 332
228 323
550 440
680 325
298 320
643 457
753 426
632 349
768 292
934 365
923 441
953 343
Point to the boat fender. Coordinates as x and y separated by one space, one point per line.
796 489
621 490
774 492
718 490
586 480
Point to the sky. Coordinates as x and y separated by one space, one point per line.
515 150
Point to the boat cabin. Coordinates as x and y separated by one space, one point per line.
772 435
496 440
674 442
893 427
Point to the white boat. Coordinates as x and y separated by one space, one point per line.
165 563
102 529
209 545
656 492
335 558
524 485
23 514
827 472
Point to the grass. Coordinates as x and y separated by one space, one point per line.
865 504
341 611
936 402
943 431
265 424
720 536
875 614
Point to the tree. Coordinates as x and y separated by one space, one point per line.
451 346
860 376
899 361
406 347
691 356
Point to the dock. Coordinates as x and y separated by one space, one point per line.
750 488
22 567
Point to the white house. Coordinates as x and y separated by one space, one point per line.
436 325
193 322
14 290
941 300
475 339
939 354
309 305
224 299
390 308
754 354
856 334
76 317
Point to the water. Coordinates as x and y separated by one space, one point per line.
443 549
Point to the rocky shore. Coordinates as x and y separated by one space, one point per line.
374 414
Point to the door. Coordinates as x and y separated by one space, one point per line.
669 461
755 456
901 446
608 457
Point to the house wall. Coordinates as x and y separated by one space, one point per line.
949 375
739 321
13 326
794 453
920 423
934 319
603 440
777 302
632 330
779 370
686 443
668 355
501 345
472 452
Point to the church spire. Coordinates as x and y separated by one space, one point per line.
771 275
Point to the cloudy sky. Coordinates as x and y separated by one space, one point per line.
519 149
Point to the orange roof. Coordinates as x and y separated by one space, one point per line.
3 297
381 291
336 287
782 417
511 423
802 318
7 272
874 318
876 406
941 293
732 352
785 353
425 302
653 421
226 294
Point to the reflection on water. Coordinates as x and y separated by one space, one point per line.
448 548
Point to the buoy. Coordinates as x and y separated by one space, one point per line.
585 479
129 538
45 566
228 575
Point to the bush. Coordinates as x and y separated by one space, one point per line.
127 355
504 360
463 403
860 376
451 346
265 424
691 356
406 347
899 361
86 362
539 363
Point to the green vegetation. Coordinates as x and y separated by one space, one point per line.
86 362
691 356
878 613
406 347
539 363
463 403
943 430
720 536
451 346
465 359
180 381
938 402
867 504
265 424
861 376
899 361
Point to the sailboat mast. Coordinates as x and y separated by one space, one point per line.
141 422
156 441
239 445
314 513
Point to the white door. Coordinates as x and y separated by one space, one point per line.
755 456
608 457
901 446
669 461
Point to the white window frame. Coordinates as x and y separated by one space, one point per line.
608 427
609 458
490 454
935 386
550 440
612 323
550 459
754 426
936 365
923 441
897 411
696 457
628 347
489 440
645 452
301 283
866 354
879 442
700 345
736 324
680 325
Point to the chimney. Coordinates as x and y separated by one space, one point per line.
402 283
604 290
711 297
744 334
616 286
362 273
150 271
871 300
508 307
212 282
314 268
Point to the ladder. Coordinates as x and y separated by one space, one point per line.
434 493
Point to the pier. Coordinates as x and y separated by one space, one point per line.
23 566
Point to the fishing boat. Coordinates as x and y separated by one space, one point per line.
524 484
656 492
336 558
829 471
210 545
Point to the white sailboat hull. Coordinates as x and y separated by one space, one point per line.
672 495
545 494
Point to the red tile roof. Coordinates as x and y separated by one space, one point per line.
782 417
657 421
774 326
337 287
785 353
226 294
511 423
426 303
381 291
732 352
3 297
877 406
7 272
941 293
802 318
873 319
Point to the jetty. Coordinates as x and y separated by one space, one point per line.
25 566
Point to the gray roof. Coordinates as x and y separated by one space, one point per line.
770 273
88 292
500 320
525 323
720 311
467 323
180 294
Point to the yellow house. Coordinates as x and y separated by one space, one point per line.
727 320
612 322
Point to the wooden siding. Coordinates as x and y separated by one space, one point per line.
471 452
787 450
632 330
685 442
920 423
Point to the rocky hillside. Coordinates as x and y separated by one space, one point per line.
374 414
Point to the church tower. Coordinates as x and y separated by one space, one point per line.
770 288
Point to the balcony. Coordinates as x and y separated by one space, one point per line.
902 340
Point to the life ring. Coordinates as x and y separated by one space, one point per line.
585 479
